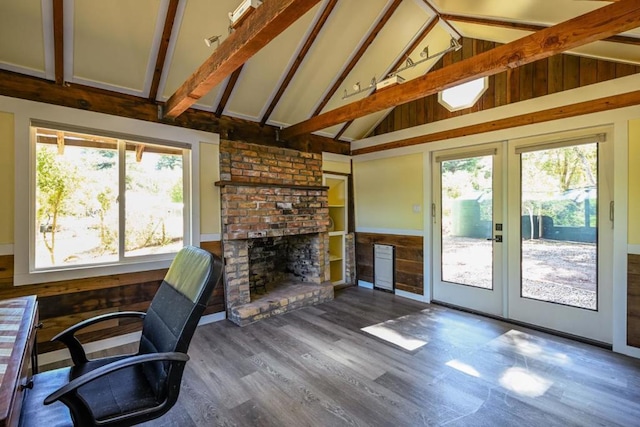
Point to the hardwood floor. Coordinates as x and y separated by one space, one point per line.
317 367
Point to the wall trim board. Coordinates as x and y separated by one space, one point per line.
333 157
215 237
212 318
392 231
633 249
365 285
409 295
6 249
107 343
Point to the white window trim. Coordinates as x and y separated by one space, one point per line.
26 111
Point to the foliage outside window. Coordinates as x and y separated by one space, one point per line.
102 200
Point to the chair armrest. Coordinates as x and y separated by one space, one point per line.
68 392
67 337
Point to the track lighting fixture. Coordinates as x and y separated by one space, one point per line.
211 40
393 77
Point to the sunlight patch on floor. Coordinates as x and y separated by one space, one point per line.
463 367
385 333
524 382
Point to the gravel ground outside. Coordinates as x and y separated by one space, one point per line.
556 271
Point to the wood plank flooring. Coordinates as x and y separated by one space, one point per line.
317 367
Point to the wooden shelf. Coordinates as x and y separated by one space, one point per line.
333 258
336 206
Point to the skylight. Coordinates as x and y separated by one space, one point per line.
464 95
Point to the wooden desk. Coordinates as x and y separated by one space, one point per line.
18 320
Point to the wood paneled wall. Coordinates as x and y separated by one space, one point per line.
64 303
409 259
633 300
544 77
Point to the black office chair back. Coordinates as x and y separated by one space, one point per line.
174 313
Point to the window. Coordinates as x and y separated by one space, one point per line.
104 200
464 95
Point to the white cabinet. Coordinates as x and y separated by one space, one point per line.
338 217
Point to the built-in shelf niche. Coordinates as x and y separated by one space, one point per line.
337 197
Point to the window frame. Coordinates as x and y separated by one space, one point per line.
151 133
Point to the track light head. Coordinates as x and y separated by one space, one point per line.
211 40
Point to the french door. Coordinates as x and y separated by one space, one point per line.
523 230
561 194
467 221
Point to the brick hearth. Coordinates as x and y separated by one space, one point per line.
274 223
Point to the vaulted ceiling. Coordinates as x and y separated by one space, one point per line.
149 48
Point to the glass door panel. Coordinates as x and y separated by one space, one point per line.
467 221
559 226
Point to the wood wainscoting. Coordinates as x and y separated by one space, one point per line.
633 300
64 303
409 259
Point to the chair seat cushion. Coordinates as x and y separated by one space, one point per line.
118 393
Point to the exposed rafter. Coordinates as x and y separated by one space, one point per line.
228 90
162 50
596 25
527 27
58 40
298 61
262 26
401 60
557 113
354 60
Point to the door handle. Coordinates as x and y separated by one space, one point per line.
497 239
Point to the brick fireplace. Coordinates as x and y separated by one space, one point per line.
274 223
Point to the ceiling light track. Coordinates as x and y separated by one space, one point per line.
394 77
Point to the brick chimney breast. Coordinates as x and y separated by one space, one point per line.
272 193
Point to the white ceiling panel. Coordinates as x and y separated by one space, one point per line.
201 19
337 42
611 52
264 71
407 21
437 40
492 34
21 36
544 12
112 41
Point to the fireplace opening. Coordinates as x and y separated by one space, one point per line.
275 261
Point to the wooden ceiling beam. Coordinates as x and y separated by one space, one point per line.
298 61
527 27
58 40
596 25
87 98
228 90
172 9
354 60
557 113
260 28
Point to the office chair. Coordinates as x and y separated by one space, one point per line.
129 389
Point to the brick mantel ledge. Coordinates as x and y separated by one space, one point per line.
269 184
